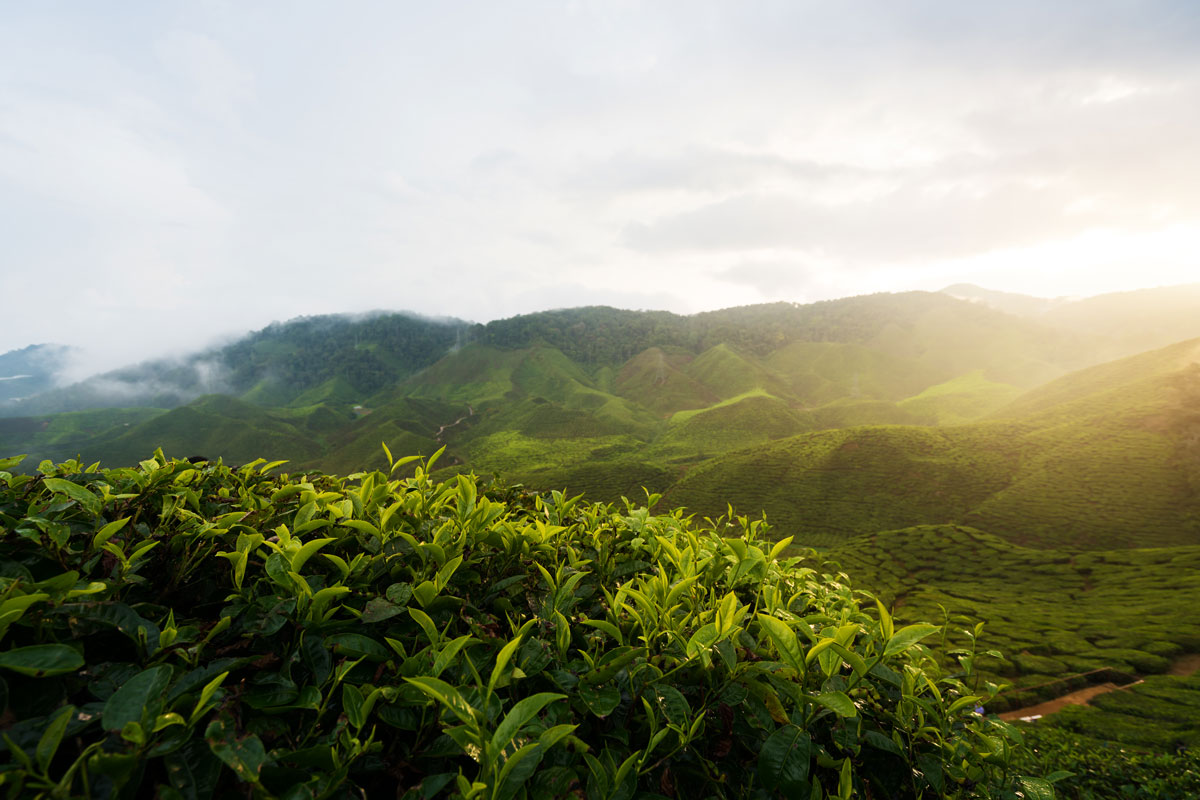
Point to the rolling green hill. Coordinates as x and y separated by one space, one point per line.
821 372
1104 458
657 379
828 486
216 425
962 399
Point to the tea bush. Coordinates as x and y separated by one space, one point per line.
197 630
1091 769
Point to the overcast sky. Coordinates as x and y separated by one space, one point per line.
174 171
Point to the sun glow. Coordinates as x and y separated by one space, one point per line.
1097 261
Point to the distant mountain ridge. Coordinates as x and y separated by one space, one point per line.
1122 323
1011 302
268 367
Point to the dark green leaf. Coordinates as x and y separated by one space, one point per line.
784 761
839 702
245 756
600 700
193 770
907 636
356 645
42 660
1036 789
270 690
89 501
520 714
277 570
379 609
517 769
881 742
51 737
673 704
138 698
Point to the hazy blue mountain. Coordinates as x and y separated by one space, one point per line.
270 367
1011 302
30 370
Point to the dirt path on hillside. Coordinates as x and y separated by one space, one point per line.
1182 665
1077 698
1185 665
441 430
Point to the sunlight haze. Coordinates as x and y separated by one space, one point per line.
171 172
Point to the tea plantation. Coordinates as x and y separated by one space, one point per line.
192 630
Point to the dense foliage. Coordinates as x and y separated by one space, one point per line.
1093 769
195 630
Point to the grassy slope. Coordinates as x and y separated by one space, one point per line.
408 426
728 373
1108 455
822 372
962 399
477 374
61 436
1161 713
656 379
1103 458
826 486
745 421
216 425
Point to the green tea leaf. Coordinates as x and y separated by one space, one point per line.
784 761
193 770
839 702
245 756
600 700
674 705
520 714
702 640
42 660
448 696
885 620
139 697
518 768
357 645
907 636
1036 788
47 745
378 610
90 502
784 639
306 551
607 627
399 593
106 533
